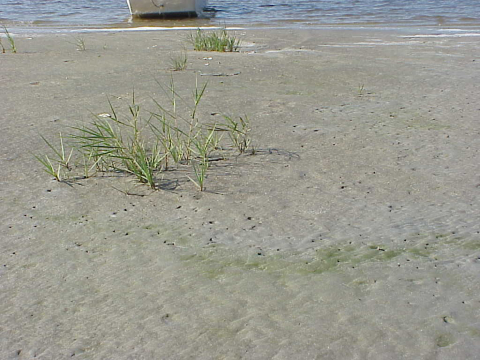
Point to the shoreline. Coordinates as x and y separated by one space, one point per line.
353 233
172 25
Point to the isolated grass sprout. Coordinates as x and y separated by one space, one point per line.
214 41
91 162
169 137
49 168
238 131
178 62
60 160
81 45
10 39
361 90
79 42
200 169
202 149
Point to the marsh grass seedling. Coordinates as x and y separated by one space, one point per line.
121 145
178 62
61 153
10 39
238 131
49 168
143 164
361 90
61 159
91 162
200 169
214 41
175 131
80 43
203 147
172 137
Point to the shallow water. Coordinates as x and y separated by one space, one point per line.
283 13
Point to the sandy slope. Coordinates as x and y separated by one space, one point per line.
353 233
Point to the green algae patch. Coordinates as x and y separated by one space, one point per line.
444 340
425 124
474 332
472 245
218 261
356 256
215 262
419 252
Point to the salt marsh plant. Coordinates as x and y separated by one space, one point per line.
60 161
178 62
176 130
50 168
238 131
168 137
80 43
361 90
91 162
203 147
214 41
10 39
200 169
119 144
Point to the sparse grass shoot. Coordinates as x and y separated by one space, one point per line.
361 90
80 43
49 168
214 41
238 131
61 159
91 162
10 39
203 146
178 62
200 169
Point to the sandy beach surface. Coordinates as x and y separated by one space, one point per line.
352 233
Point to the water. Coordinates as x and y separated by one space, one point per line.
64 14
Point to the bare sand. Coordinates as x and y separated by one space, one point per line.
353 233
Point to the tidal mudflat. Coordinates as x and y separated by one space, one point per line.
351 233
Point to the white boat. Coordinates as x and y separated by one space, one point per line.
166 8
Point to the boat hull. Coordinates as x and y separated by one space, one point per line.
166 8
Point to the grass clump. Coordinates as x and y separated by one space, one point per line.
118 145
11 41
60 162
238 131
80 43
202 146
214 41
169 138
178 62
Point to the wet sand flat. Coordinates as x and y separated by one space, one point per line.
352 233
